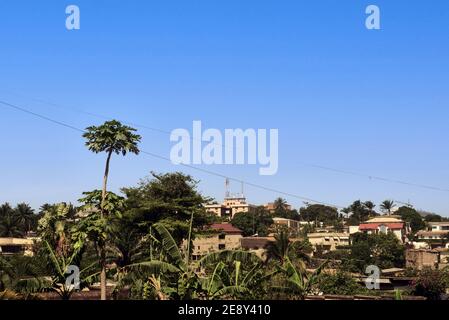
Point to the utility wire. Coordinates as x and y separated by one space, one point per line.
321 167
60 123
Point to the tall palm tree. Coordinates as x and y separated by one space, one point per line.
10 224
5 209
387 206
370 206
282 248
26 215
279 248
111 137
280 204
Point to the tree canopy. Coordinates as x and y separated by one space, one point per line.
251 223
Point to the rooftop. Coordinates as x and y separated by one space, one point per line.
376 225
431 233
328 234
226 228
385 219
439 223
16 242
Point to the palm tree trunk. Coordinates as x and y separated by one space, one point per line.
105 180
103 273
103 246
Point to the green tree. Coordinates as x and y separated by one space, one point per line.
296 280
339 283
54 225
111 137
282 248
26 216
431 284
387 206
411 216
252 223
370 206
382 250
280 204
169 199
359 212
23 275
98 214
319 213
10 223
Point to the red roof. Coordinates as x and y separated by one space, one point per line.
375 226
226 227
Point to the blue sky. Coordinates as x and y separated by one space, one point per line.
342 96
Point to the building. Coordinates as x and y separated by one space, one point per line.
219 210
431 235
439 226
270 207
230 207
427 258
385 224
9 246
225 237
293 226
328 241
257 245
436 236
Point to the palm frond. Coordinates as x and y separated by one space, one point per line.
169 245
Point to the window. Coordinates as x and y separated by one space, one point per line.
221 246
222 236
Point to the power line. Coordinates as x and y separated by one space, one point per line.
321 167
379 178
24 110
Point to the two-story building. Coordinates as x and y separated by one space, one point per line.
223 236
383 224
10 246
230 207
328 241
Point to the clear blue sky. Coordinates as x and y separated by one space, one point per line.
374 102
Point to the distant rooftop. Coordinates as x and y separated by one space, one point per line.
385 219
226 228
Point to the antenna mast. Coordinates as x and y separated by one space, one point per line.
227 188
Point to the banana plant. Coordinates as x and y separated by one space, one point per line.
296 280
236 274
172 263
60 264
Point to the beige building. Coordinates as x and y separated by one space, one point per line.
439 226
9 246
292 225
219 210
385 224
226 237
431 235
230 207
426 258
328 241
271 208
436 236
